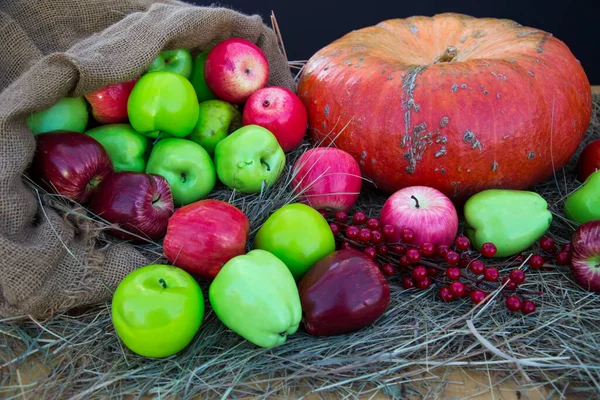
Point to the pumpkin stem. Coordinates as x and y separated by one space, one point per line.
416 201
449 54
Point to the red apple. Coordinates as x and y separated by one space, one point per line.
234 69
204 235
280 111
585 256
429 213
327 178
109 104
342 292
70 163
140 204
589 160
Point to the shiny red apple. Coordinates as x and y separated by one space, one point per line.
69 163
234 69
327 178
589 160
585 256
137 203
343 292
280 111
109 104
204 235
426 211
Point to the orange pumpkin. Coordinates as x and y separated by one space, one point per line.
451 101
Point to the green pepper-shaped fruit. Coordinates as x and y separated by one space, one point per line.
583 205
216 120
68 114
178 61
127 149
255 296
198 80
510 219
249 160
163 101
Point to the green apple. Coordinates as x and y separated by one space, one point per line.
298 235
163 101
157 310
255 296
249 159
198 80
186 166
216 120
178 61
583 205
127 149
69 114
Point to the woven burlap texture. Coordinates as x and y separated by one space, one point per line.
55 48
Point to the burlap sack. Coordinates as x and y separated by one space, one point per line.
54 48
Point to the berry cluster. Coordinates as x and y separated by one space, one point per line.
458 271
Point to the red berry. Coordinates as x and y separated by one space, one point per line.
376 237
453 273
359 218
364 235
419 273
373 224
341 217
465 259
510 285
451 257
563 257
352 232
408 282
528 307
413 256
513 303
477 267
382 250
462 242
565 246
398 249
441 250
347 246
407 235
404 262
457 289
491 274
445 294
323 213
547 244
427 249
388 270
517 276
432 272
488 249
423 283
477 296
388 231
536 261
335 229
370 252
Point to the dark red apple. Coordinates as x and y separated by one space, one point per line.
69 163
589 160
138 203
204 235
585 256
109 104
280 111
341 293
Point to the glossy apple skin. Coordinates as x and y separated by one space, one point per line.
589 160
70 163
127 148
138 203
178 61
279 110
234 69
434 221
202 236
341 293
327 178
585 256
109 104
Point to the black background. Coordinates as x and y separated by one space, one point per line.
308 25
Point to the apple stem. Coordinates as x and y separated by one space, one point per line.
183 177
156 198
265 163
282 334
266 103
416 201
162 283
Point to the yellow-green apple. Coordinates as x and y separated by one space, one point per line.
127 148
137 204
109 104
70 164
327 178
68 114
279 110
216 120
204 235
585 256
235 68
178 61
